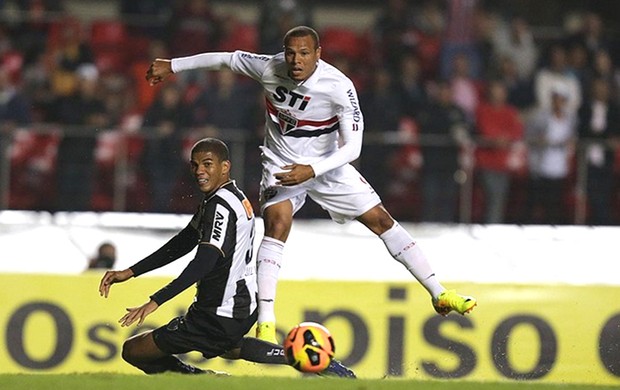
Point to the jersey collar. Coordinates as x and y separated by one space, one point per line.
211 194
309 82
314 77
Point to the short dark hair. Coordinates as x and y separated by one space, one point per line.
302 31
213 145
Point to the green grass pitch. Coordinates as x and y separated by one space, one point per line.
107 381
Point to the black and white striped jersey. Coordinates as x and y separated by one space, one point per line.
225 220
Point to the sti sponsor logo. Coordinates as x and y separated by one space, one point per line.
293 99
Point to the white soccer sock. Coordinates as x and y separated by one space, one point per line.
269 260
401 246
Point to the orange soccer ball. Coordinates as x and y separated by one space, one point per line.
309 347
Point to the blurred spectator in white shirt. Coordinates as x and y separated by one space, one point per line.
556 74
551 137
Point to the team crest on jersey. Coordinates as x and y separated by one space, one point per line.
286 121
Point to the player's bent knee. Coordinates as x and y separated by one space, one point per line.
385 223
278 228
131 352
278 220
378 220
126 353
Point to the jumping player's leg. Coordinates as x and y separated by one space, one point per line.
405 250
278 205
356 199
141 352
402 247
278 219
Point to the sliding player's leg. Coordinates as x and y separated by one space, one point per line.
260 351
141 352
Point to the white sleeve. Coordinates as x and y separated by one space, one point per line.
245 63
209 61
351 129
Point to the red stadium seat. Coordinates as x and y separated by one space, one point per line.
57 31
33 168
241 37
336 41
145 94
12 62
107 33
138 48
405 163
110 61
110 44
428 50
112 147
108 145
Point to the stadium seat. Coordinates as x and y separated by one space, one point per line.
58 28
112 147
185 190
337 41
428 50
138 48
33 168
404 165
241 37
110 44
107 33
110 60
12 62
144 93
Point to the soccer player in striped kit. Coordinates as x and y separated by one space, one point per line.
224 270
310 105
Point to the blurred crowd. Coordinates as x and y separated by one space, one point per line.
467 111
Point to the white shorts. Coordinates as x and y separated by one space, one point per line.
342 192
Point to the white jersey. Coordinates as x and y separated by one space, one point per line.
304 120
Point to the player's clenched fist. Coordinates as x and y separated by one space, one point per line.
111 277
158 71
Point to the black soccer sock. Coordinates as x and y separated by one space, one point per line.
259 351
168 363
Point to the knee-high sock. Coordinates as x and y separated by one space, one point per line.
269 260
259 351
168 363
401 246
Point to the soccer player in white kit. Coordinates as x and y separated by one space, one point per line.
310 105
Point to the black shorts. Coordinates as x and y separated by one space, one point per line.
207 333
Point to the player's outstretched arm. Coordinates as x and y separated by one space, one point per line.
111 277
158 71
138 313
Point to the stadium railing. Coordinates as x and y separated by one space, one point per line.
28 159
